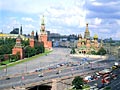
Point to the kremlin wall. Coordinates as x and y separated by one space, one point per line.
84 44
42 39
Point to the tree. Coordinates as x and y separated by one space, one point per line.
72 51
101 51
36 37
93 52
1 58
77 82
25 42
28 51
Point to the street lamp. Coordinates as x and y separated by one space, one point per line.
5 68
26 67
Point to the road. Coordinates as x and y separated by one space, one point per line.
59 55
114 83
65 71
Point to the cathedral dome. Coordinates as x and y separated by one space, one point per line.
95 36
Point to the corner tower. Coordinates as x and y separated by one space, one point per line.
32 41
18 48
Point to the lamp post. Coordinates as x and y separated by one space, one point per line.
5 69
26 67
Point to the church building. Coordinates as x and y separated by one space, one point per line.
86 44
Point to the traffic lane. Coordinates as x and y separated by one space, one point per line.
18 81
70 69
39 79
52 72
55 76
113 82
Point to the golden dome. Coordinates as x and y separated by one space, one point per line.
95 36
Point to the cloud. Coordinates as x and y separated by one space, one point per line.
23 6
28 19
104 30
66 16
98 21
29 26
63 17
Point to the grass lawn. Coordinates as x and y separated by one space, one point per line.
9 64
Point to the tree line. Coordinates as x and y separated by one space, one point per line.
7 44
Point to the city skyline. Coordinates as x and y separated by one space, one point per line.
64 17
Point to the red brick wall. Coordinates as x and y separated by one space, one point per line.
32 42
18 50
47 44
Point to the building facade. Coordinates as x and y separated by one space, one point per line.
85 44
43 37
18 49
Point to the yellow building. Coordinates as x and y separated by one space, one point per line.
13 36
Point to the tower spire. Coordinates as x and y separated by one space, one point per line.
43 23
21 29
87 33
42 30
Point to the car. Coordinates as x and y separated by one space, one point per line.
7 78
38 70
40 75
58 72
100 86
114 67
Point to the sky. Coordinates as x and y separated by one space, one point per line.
62 16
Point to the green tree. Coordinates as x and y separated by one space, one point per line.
6 45
36 37
1 58
25 42
72 51
77 82
13 58
101 51
93 53
27 51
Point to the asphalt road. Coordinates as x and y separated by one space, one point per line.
59 55
18 81
114 83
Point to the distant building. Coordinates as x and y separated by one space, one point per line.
15 31
13 36
85 44
119 52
